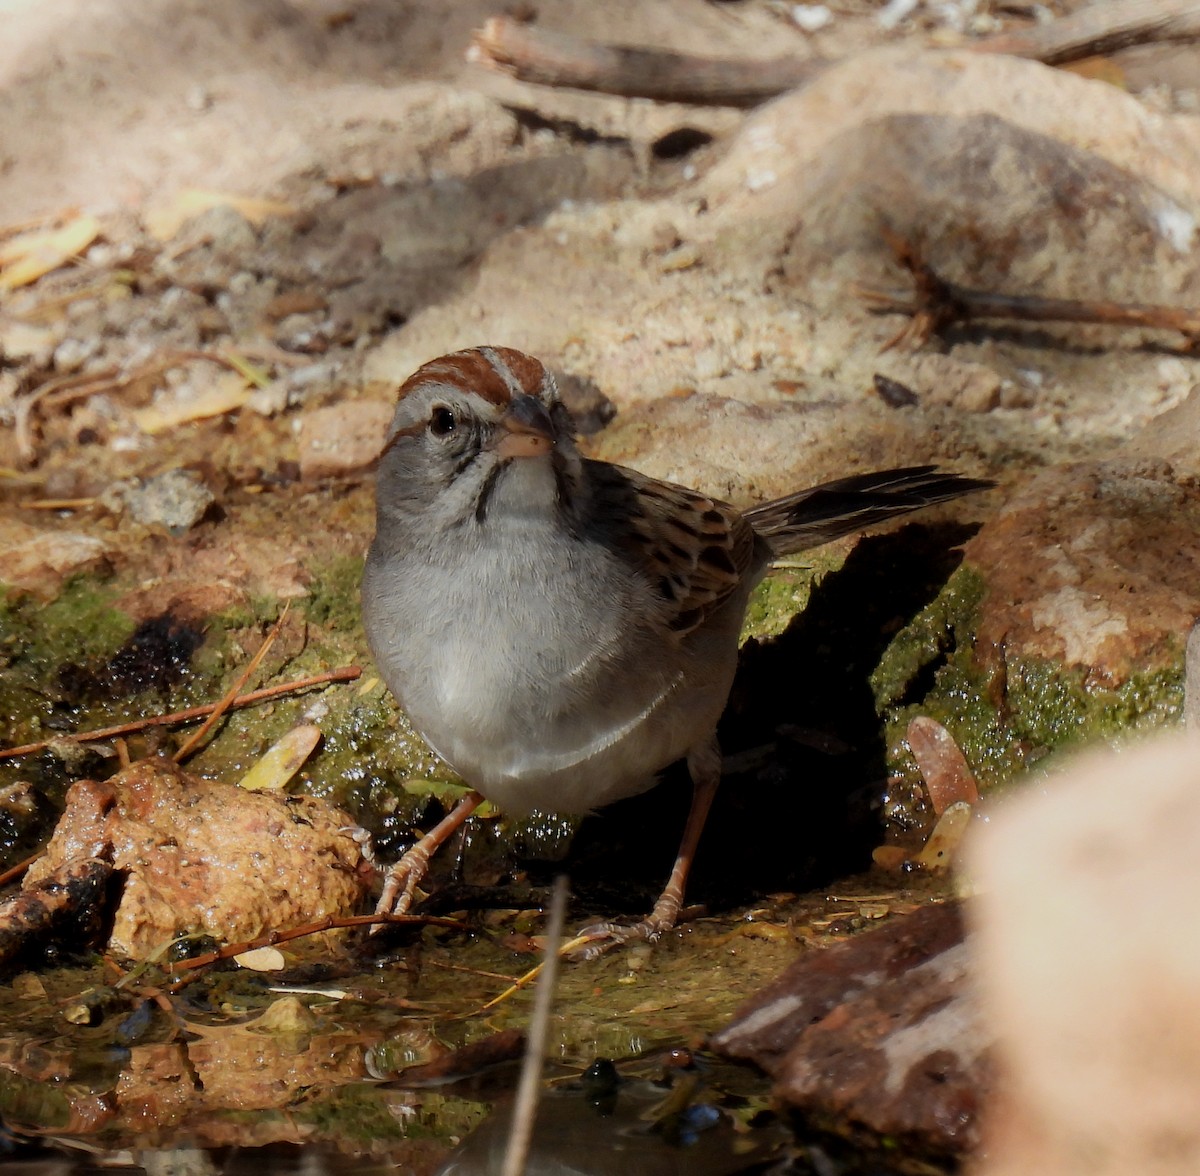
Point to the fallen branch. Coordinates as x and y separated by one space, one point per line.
192 714
193 741
937 303
550 58
1098 29
330 923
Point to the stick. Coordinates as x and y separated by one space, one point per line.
193 741
936 303
330 923
19 870
1100 29
557 59
529 1087
342 674
550 58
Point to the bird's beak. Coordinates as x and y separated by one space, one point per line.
527 430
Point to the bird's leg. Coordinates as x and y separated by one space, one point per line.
704 765
401 879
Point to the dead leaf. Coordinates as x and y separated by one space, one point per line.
227 393
282 760
938 852
947 775
262 959
27 257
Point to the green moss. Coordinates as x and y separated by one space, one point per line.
81 624
37 640
785 592
333 595
943 627
1004 718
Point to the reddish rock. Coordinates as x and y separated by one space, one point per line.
201 855
880 1032
1109 574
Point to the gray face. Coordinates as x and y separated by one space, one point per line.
477 437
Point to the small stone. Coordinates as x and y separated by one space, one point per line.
176 500
811 17
682 257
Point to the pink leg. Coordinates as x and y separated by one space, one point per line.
401 879
704 764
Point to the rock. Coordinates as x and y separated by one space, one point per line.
201 855
1173 436
1087 973
880 1031
38 560
343 437
176 499
1108 577
765 168
991 204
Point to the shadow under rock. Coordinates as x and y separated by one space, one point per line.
804 748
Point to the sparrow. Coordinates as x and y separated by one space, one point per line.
561 629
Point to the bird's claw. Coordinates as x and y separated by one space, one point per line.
400 882
596 939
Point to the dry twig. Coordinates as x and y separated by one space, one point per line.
937 303
1098 29
557 59
19 870
193 741
175 718
529 1086
274 938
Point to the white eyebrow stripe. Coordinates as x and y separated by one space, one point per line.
503 371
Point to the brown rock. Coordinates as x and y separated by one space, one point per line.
201 855
880 1031
342 438
1109 571
39 560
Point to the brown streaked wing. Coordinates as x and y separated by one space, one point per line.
692 548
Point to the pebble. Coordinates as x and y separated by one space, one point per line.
176 499
811 17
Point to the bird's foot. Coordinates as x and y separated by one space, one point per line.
593 941
400 882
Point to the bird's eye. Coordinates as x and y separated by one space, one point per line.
441 421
